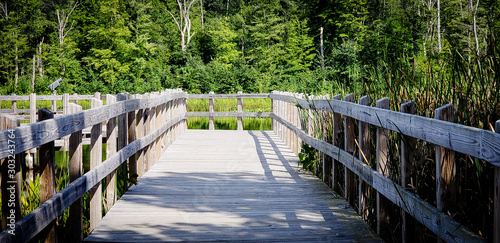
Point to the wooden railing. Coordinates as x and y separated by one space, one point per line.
447 136
139 129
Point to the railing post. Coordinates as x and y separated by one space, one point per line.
240 109
407 146
54 101
11 177
75 221
445 166
147 130
46 155
364 155
95 160
350 145
14 105
158 146
496 202
31 153
122 137
211 125
111 134
383 168
139 130
152 126
298 125
335 131
66 112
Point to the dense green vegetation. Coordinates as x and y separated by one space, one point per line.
430 51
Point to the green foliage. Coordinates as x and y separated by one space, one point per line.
307 156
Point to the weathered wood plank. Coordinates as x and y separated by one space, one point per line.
445 166
240 110
261 195
36 221
46 155
95 160
211 124
364 155
349 146
434 219
337 119
75 220
382 157
111 148
479 143
408 146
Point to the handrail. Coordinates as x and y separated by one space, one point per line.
40 133
36 134
479 143
475 142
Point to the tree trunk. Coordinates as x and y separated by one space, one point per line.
34 73
16 60
439 25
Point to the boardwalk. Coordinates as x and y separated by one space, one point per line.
230 186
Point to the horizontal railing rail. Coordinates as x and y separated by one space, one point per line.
152 118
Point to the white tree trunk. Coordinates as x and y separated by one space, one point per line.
439 25
184 23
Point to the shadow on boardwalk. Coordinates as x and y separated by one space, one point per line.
230 186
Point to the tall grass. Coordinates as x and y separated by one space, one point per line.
229 105
473 90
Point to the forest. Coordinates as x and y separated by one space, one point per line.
431 51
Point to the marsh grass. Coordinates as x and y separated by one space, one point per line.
474 92
229 105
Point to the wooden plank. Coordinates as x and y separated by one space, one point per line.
240 110
265 199
211 95
496 197
47 156
122 137
335 131
95 160
445 166
75 220
132 136
349 146
408 145
111 148
434 219
479 143
34 135
14 105
29 226
14 97
364 155
147 131
382 157
211 123
139 130
11 178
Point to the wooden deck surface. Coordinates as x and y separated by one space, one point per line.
230 186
